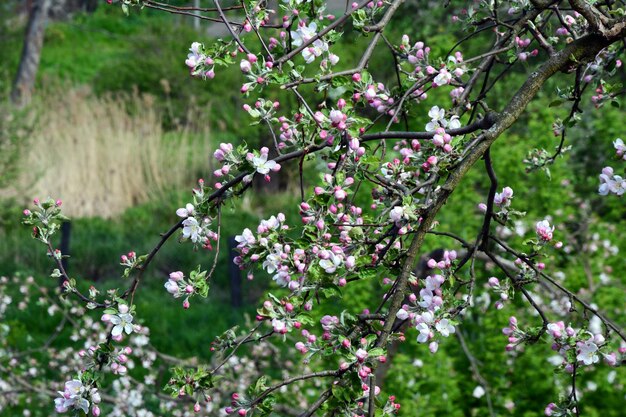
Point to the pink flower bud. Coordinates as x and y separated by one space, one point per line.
493 282
361 354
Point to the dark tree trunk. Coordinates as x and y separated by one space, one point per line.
31 52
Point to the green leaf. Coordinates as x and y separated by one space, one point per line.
376 352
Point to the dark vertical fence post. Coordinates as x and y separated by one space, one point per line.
236 299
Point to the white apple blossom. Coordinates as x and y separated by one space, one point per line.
245 238
445 328
437 117
336 116
272 262
427 298
279 326
424 331
444 77
454 122
544 230
282 278
121 323
620 148
402 314
273 223
196 57
192 230
172 287
397 214
478 392
72 397
245 66
427 317
262 165
303 34
588 353
611 183
314 50
186 211
331 264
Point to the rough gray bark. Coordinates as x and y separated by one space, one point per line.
29 62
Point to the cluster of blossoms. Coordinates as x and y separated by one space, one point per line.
331 326
199 63
256 71
521 45
117 360
264 109
620 148
121 319
129 260
280 259
360 358
421 68
77 396
573 25
439 124
196 227
504 291
335 187
438 120
454 67
609 182
178 286
258 161
575 347
348 216
231 159
336 119
416 55
280 313
375 95
579 347
426 313
303 35
261 164
514 334
398 170
502 200
402 216
544 230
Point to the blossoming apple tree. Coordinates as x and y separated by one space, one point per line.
355 128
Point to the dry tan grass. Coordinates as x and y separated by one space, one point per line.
99 159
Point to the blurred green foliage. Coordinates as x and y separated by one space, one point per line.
146 51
